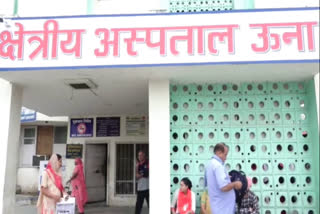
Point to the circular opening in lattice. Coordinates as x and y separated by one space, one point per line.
302 103
265 167
235 87
236 117
308 180
237 148
278 134
226 135
250 104
185 105
290 148
211 149
225 105
280 166
261 104
310 199
260 87
186 149
281 180
236 105
283 211
175 149
175 136
254 167
279 148
252 135
224 87
211 117
277 116
305 147
292 166
210 104
266 180
263 134
264 148
310 212
225 117
200 149
186 167
288 116
252 148
185 88
200 105
174 88
267 201
200 117
228 167
304 134
175 105
200 135
251 117
175 180
254 180
300 86
211 135
276 103
287 103
289 134
185 117
201 168
293 180
302 116
282 199
175 118
201 182
238 166
237 135
175 167
294 199
275 86
286 86
199 88
185 135
210 87
249 87
307 166
262 117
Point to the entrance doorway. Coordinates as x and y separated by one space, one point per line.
96 171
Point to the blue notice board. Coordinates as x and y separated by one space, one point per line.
81 127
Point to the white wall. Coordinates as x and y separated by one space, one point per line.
27 179
159 146
10 108
285 3
112 198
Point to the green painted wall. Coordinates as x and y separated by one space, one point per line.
271 129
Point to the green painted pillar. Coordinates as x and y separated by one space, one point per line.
90 6
243 4
15 8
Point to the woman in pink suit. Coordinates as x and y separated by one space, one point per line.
79 189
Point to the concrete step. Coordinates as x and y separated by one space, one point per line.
23 200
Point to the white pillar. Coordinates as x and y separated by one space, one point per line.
10 110
316 87
159 146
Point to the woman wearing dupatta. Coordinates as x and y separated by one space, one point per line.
79 189
51 186
184 200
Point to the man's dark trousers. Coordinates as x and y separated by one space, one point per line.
141 195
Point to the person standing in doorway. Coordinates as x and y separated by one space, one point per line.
220 188
51 186
142 175
78 183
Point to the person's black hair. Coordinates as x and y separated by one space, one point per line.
219 147
59 156
187 182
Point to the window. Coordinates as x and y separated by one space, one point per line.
29 135
60 134
126 166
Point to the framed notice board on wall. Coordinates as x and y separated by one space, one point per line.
74 151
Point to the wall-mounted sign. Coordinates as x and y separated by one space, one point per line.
28 115
81 127
108 126
153 39
74 151
136 126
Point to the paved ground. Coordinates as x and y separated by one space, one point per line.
91 209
